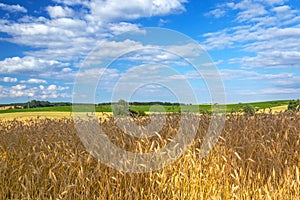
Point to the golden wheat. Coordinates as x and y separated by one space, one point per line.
255 158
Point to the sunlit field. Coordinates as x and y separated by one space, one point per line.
255 157
66 112
274 110
22 116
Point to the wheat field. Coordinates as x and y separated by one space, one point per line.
23 116
255 158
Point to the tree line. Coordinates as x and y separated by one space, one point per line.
39 104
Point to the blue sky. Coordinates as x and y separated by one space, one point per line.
254 45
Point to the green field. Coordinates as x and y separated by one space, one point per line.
57 109
257 105
43 109
147 108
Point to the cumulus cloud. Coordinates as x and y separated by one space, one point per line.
72 2
68 36
123 27
265 34
159 82
135 51
40 92
34 81
59 11
272 91
18 87
217 13
270 59
273 2
13 8
9 80
73 33
133 9
281 9
60 41
28 64
268 32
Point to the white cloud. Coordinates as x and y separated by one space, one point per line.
168 82
74 28
3 92
280 91
19 87
273 2
241 74
217 13
72 2
270 26
114 10
162 22
282 9
49 34
151 55
51 87
13 8
71 33
270 33
123 27
137 52
40 92
28 64
66 70
271 59
90 76
162 7
248 10
59 11
111 49
259 85
211 64
35 81
9 80
18 93
186 50
52 92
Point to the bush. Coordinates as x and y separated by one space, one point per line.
121 108
294 105
249 110
141 113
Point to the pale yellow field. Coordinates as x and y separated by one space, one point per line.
42 115
275 109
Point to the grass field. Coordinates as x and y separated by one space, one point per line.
255 158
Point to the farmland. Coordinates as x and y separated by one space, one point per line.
59 112
256 157
166 108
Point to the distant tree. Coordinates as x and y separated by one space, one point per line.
294 105
249 110
37 104
121 108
